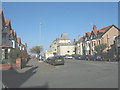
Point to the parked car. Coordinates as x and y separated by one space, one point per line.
56 60
68 57
83 57
77 57
98 58
90 57
48 59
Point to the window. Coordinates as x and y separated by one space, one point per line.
6 53
99 41
94 43
114 37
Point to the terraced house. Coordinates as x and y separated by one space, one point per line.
96 37
8 38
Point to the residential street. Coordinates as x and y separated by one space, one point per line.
74 74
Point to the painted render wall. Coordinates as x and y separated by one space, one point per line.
63 50
64 41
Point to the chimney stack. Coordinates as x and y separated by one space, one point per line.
79 37
74 40
94 27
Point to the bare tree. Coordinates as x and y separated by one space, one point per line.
36 50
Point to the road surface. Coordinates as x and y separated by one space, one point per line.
74 74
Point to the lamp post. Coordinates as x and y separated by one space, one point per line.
40 28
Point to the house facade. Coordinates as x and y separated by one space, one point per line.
8 38
79 46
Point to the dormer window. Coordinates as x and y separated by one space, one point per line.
94 37
91 37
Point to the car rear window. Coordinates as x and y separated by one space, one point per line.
58 57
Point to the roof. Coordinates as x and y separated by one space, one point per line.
101 30
81 39
64 36
88 33
7 22
84 36
18 40
5 46
108 28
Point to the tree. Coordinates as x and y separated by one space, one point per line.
36 50
99 48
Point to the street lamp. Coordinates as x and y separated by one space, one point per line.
40 28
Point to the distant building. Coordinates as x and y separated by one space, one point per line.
62 46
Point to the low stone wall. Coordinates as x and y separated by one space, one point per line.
19 64
5 66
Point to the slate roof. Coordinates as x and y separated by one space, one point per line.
64 36
18 40
7 22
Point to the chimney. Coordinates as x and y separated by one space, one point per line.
79 37
74 40
94 27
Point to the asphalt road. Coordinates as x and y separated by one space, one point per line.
74 74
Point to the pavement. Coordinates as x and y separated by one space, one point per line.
74 74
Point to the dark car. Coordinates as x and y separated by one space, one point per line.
90 57
98 58
56 60
78 57
83 57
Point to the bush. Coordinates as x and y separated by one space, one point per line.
16 53
99 48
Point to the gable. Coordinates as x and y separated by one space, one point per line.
113 30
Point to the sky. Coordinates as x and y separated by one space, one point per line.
73 18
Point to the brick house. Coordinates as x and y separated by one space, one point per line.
96 37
